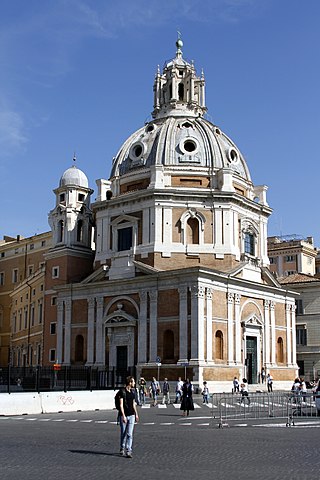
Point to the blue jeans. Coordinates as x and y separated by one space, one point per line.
126 432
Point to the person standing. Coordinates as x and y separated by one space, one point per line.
128 415
142 390
166 392
270 383
235 385
187 401
155 390
263 375
179 386
205 393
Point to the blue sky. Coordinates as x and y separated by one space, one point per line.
77 75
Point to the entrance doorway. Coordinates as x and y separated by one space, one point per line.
122 362
251 359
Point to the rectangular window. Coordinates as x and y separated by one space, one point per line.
14 323
15 275
25 318
1 278
301 333
41 287
30 270
81 197
249 243
40 313
290 258
52 355
299 307
31 246
124 239
53 328
43 243
33 292
32 315
273 260
62 197
2 254
53 300
55 272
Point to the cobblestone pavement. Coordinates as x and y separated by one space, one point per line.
85 445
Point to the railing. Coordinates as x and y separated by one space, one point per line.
63 378
262 406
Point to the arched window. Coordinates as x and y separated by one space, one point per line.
80 231
181 91
79 348
168 346
219 345
192 231
280 356
60 231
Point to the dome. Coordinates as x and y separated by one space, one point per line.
74 177
180 143
180 137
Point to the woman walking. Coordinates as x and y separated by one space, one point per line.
187 401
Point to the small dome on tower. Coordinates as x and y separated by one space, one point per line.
74 176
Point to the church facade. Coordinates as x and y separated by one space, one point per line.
180 273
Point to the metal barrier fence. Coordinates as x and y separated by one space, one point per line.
262 406
41 379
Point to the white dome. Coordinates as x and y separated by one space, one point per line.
74 177
180 142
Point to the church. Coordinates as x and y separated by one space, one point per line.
178 282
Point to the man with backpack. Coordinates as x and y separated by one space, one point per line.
127 416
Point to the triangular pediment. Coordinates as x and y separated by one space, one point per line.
97 276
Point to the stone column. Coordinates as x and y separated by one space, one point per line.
183 324
142 328
293 334
237 299
209 293
197 323
67 331
153 346
266 333
90 331
288 332
273 333
59 351
230 327
100 340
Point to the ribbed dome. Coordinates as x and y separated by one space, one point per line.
74 176
180 142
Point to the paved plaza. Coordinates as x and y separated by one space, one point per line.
85 445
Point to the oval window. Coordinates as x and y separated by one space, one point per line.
189 146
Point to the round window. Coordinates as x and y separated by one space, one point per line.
188 146
136 151
233 155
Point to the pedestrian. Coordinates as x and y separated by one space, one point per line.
187 401
303 389
127 417
155 390
205 393
179 386
263 375
270 383
166 392
142 390
235 385
244 391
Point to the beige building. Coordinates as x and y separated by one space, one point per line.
181 271
291 254
21 297
307 322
